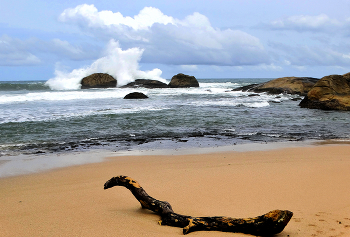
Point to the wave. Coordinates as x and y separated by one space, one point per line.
232 103
121 64
49 116
205 96
58 96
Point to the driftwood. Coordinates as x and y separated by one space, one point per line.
269 224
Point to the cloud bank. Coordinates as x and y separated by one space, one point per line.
321 23
191 44
33 51
14 52
168 40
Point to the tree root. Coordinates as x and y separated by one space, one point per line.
270 223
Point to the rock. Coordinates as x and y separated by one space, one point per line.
286 85
330 93
181 80
250 87
98 80
146 84
136 95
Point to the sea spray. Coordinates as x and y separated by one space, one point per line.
121 64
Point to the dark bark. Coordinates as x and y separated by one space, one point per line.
268 224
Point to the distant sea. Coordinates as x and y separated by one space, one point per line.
37 120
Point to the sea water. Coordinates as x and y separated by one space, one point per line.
35 119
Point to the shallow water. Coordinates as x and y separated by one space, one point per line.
36 119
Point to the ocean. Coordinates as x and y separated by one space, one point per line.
35 119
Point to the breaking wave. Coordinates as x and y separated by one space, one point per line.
121 64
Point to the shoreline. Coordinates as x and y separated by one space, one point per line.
311 181
34 163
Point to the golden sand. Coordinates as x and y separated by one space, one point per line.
313 182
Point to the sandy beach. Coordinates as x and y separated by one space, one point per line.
312 182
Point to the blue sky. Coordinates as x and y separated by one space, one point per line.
41 39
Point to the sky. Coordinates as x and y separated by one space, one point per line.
56 39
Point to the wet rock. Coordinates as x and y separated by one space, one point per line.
250 87
98 80
145 83
330 93
283 85
251 95
136 95
182 81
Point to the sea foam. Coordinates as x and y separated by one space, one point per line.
121 64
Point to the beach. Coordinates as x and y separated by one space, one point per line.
311 181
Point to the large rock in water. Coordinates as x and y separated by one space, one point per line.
287 85
181 80
330 93
136 95
98 80
146 84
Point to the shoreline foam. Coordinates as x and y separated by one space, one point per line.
33 163
28 164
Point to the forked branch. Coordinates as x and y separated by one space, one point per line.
268 224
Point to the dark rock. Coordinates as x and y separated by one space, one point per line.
330 93
146 84
98 80
285 85
181 80
136 95
251 95
296 99
250 87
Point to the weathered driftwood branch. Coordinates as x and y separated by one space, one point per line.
268 224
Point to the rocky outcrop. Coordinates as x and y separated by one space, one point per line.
98 80
145 83
286 85
136 95
330 93
250 87
181 80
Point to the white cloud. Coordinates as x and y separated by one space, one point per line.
18 59
301 68
317 55
14 52
303 23
168 40
66 46
267 67
17 52
63 49
189 67
89 13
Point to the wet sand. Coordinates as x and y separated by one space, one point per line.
313 182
